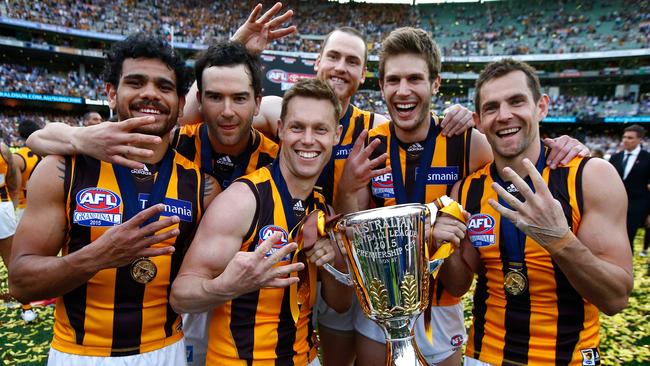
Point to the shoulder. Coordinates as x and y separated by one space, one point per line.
381 130
189 130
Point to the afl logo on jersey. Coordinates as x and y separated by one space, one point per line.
97 207
382 186
269 230
480 230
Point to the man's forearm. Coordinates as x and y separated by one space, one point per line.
456 275
54 139
602 283
194 294
33 278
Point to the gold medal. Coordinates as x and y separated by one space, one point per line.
515 282
143 270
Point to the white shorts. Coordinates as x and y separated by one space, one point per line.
474 362
8 221
447 329
172 355
330 318
19 213
195 328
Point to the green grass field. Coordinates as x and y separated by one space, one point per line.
625 336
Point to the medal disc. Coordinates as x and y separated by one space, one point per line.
143 270
515 283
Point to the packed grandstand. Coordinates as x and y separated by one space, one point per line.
593 57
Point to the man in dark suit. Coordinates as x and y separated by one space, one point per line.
633 165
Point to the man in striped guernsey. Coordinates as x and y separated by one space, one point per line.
27 161
122 232
549 246
240 261
410 160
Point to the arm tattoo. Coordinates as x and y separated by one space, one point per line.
60 165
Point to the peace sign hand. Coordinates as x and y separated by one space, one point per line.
540 216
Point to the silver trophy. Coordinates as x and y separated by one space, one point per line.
389 265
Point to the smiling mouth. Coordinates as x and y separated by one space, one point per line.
149 111
508 132
338 80
405 107
308 154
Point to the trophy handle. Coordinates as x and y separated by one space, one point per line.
344 278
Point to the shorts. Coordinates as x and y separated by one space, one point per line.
172 355
8 221
447 329
195 328
329 318
474 362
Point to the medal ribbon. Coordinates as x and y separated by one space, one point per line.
515 249
207 157
417 193
294 226
128 189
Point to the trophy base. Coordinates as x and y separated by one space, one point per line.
404 352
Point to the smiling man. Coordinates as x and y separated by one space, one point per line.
122 233
549 246
257 315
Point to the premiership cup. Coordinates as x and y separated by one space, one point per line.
389 266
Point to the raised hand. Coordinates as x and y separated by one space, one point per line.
249 271
112 141
122 244
359 168
457 120
256 33
540 216
563 149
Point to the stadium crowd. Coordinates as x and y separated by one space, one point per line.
28 79
464 30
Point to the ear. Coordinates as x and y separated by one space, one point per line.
339 131
381 88
280 128
477 121
198 96
542 106
435 86
258 103
181 106
111 91
317 63
363 75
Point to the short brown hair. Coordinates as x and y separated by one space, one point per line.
311 88
411 40
640 131
501 68
350 31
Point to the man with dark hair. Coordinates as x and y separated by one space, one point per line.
549 246
260 311
91 118
27 161
224 145
122 232
633 166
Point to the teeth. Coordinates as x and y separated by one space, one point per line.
308 154
150 111
337 80
405 106
508 131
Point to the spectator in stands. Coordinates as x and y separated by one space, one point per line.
92 118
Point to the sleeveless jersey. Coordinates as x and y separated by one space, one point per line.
354 122
31 160
190 139
4 169
449 164
258 328
549 325
111 314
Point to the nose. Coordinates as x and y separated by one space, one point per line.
504 112
340 65
228 108
150 91
403 87
308 136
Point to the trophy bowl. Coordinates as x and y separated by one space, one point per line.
389 266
